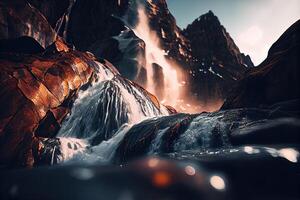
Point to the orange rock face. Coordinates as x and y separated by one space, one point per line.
36 94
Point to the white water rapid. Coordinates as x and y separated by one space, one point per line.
101 116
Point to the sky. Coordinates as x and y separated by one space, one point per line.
254 25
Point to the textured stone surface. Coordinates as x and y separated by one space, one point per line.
52 10
36 94
217 61
275 125
164 24
18 18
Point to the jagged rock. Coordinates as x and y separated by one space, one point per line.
275 125
171 110
164 24
138 140
36 93
18 18
274 80
217 61
83 32
210 42
122 51
52 10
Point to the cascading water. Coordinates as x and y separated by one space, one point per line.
155 55
111 107
101 116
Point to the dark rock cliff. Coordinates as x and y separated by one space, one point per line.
19 18
274 80
217 61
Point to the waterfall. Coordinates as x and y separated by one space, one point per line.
102 114
154 55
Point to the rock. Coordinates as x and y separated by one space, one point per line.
211 42
36 94
277 125
171 110
137 141
217 61
52 10
18 18
123 51
99 23
171 36
25 44
276 79
284 130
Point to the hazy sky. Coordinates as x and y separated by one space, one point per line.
253 24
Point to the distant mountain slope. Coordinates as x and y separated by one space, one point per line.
276 79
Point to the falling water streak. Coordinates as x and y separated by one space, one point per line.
155 55
155 145
124 105
52 157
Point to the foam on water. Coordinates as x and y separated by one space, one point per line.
200 133
101 116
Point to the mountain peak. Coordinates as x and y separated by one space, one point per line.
210 13
209 16
214 54
210 39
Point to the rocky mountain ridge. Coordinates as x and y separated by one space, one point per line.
217 61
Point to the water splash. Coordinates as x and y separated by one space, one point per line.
102 114
85 153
